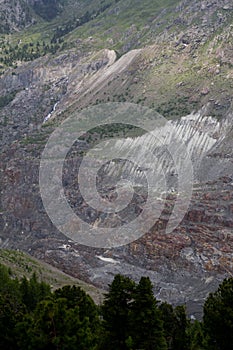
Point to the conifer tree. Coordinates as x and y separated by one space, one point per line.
77 298
181 339
218 317
169 323
176 326
115 311
53 326
146 327
33 291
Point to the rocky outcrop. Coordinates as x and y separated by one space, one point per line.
18 14
15 15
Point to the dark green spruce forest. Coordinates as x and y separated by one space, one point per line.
33 317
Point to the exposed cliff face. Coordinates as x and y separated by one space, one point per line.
18 14
15 15
177 73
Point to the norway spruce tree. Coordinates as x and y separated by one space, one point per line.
169 323
115 311
181 339
218 317
54 326
146 328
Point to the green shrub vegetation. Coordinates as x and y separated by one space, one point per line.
13 53
130 317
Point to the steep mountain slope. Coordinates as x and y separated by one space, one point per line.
22 264
14 15
174 56
18 14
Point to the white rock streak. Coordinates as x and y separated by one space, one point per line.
198 133
50 114
108 260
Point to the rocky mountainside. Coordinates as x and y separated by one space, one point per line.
17 15
173 56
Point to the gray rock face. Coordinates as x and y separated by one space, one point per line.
15 15
18 14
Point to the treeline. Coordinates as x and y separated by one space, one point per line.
60 31
10 54
130 317
78 22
